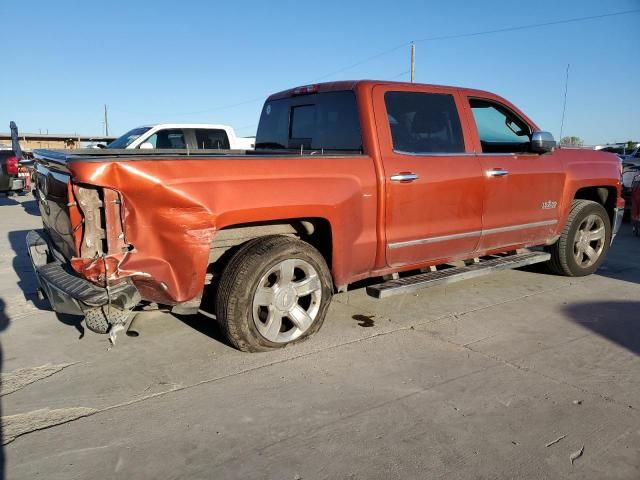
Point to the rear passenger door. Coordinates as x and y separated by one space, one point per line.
433 181
523 190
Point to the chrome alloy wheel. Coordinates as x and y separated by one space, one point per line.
589 241
287 300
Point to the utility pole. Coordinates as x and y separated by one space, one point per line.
106 122
413 62
564 103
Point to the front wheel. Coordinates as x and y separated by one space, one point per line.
275 291
586 237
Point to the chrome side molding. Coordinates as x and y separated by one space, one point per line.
475 233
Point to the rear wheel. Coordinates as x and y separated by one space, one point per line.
582 246
275 291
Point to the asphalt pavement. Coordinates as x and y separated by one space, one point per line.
521 374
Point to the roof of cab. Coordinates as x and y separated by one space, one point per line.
352 84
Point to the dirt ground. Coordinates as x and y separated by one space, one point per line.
517 375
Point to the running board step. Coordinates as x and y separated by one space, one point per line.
455 274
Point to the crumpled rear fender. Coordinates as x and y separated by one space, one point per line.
172 209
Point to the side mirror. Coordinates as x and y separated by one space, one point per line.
146 146
542 142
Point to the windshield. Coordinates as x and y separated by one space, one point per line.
322 121
127 139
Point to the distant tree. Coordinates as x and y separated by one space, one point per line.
631 145
572 141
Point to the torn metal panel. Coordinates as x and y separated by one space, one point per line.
91 206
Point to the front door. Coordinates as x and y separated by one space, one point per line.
523 190
433 181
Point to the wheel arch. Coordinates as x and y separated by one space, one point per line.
316 231
605 195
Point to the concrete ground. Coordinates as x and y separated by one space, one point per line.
506 376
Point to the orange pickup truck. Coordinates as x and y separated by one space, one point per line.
406 185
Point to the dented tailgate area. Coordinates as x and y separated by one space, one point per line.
85 257
146 231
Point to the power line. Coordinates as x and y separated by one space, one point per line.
366 60
400 74
525 27
428 39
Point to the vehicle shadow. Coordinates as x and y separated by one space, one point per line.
617 321
205 321
4 324
28 283
626 272
6 201
204 325
31 207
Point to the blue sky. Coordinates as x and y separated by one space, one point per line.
214 62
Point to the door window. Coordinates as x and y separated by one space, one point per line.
423 123
172 138
500 130
215 139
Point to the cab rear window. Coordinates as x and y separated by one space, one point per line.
320 121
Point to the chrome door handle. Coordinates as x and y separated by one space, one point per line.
497 172
404 177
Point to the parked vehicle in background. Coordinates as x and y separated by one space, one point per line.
630 168
10 179
349 180
182 136
635 205
620 149
632 155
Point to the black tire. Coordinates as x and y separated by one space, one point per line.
234 303
96 320
100 319
563 260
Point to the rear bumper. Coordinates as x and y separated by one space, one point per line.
13 184
66 290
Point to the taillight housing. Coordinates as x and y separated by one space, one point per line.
12 165
306 89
